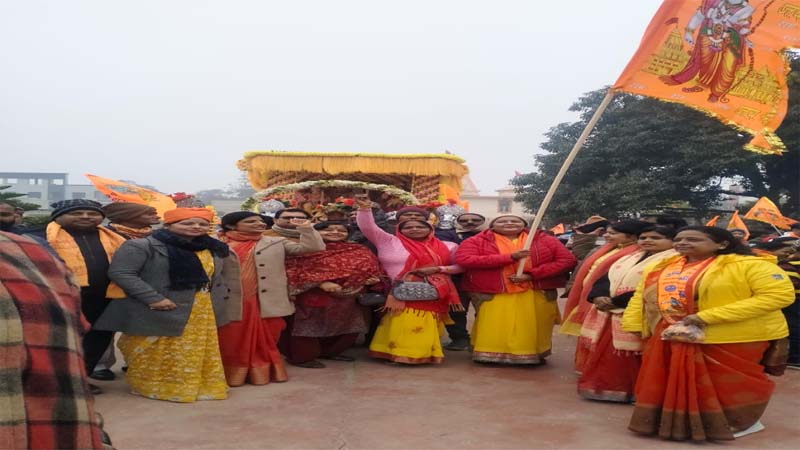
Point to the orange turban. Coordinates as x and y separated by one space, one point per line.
178 214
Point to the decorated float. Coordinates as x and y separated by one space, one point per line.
314 180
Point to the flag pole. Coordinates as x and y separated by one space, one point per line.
537 221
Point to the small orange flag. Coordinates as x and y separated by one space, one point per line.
119 191
723 58
736 223
559 229
713 222
766 211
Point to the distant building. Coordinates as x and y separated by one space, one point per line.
491 205
44 188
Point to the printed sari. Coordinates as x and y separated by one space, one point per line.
690 390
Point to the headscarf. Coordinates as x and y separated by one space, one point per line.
121 212
178 214
410 209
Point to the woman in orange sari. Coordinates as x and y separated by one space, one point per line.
249 347
708 380
620 242
611 356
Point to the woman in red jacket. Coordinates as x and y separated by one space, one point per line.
515 315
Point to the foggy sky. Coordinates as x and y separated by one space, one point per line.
171 92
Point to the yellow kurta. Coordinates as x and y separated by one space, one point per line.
183 368
514 328
409 337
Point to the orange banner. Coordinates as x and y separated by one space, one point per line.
722 57
559 229
713 222
766 211
119 191
736 223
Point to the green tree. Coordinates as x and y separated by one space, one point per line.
12 198
646 155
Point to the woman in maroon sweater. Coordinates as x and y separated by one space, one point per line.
515 315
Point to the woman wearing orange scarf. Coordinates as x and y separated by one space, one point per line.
620 242
710 384
515 314
610 356
249 347
409 331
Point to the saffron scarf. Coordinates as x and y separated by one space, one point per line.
349 265
577 302
67 249
508 246
425 253
185 269
676 286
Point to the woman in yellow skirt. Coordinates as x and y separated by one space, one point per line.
181 285
409 332
515 314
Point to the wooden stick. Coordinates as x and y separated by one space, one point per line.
537 221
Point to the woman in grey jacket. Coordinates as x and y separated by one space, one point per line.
181 285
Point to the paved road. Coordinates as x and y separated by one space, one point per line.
369 405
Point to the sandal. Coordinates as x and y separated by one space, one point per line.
338 358
313 364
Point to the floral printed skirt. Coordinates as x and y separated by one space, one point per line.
409 337
182 368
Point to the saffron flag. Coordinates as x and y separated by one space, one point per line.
766 211
736 223
559 229
119 191
713 221
725 58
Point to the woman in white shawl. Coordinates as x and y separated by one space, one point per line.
608 358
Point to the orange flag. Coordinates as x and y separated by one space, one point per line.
736 223
119 191
713 222
766 211
559 229
722 57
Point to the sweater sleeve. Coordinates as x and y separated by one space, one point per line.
771 291
371 230
125 267
633 317
563 261
468 255
310 241
453 268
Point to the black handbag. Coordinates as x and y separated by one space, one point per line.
371 299
414 291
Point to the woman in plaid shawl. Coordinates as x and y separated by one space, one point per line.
45 402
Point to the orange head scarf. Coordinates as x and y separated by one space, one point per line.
178 214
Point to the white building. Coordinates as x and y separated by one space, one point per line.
43 188
491 205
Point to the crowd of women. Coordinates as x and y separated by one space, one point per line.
685 322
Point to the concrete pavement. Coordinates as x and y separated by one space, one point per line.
369 405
